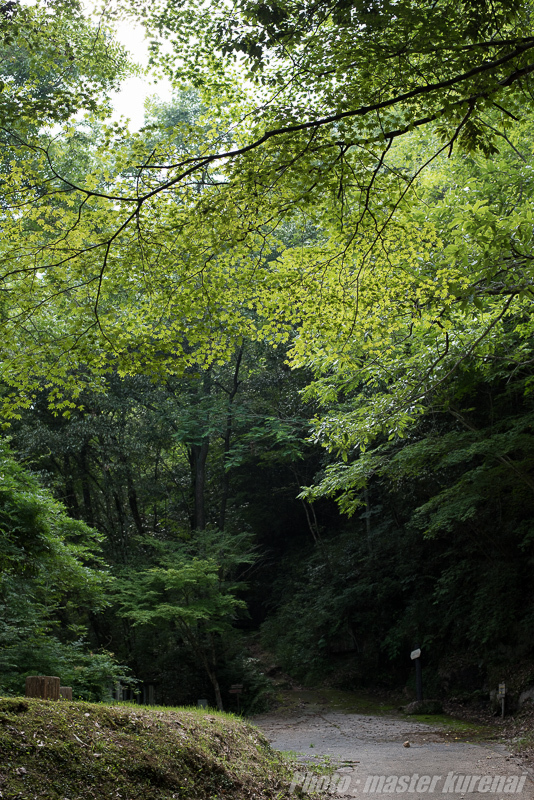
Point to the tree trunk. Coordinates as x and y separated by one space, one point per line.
227 439
198 455
367 517
132 500
86 489
201 652
217 689
71 499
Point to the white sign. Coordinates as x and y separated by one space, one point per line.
415 654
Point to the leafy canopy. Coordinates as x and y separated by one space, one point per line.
296 202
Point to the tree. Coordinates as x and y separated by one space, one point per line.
125 462
194 592
224 187
455 308
153 269
53 578
383 67
54 63
437 551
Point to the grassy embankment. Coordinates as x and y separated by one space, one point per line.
80 751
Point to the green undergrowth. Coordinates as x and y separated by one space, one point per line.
457 729
80 751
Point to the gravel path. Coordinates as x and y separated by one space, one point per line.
362 746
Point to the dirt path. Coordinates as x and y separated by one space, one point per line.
368 753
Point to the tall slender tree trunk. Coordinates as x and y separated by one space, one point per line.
227 439
132 501
368 518
198 455
213 673
216 688
71 499
86 488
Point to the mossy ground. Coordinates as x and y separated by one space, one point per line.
458 729
80 751
289 701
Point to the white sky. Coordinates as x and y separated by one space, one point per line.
129 102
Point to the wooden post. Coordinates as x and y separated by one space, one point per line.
43 686
65 692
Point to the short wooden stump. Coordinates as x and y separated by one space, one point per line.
44 686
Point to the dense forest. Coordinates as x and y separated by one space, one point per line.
266 371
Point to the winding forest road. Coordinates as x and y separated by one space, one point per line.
370 757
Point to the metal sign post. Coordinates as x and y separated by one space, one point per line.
502 695
236 688
415 655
